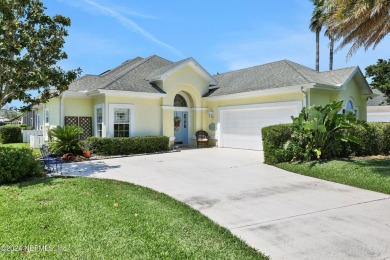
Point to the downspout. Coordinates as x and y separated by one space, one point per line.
306 97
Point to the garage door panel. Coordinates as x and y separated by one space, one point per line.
241 128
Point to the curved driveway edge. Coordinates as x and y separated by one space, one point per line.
282 214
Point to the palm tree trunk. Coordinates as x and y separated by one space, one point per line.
331 47
318 49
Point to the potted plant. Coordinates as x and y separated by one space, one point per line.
85 146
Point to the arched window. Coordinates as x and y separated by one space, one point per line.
179 101
350 108
349 105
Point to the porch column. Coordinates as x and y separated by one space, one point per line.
167 123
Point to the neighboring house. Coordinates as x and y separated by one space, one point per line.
154 96
378 110
3 119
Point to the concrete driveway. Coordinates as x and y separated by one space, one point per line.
282 214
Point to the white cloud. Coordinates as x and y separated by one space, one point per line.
119 14
128 23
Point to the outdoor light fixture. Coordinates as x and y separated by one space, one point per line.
211 114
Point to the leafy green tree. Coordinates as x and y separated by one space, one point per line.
319 132
66 139
31 44
380 73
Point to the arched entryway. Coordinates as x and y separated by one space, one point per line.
181 118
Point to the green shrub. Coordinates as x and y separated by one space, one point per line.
17 164
375 139
322 132
128 145
274 139
23 126
10 134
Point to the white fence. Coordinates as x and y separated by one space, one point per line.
26 134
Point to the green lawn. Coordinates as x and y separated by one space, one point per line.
83 218
367 173
36 152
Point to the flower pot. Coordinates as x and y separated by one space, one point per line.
87 154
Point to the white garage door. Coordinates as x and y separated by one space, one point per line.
240 126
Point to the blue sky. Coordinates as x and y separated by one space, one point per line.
221 35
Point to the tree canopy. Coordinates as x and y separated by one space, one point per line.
380 73
31 45
362 23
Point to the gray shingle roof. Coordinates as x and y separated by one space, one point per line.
162 70
129 76
136 74
275 75
380 100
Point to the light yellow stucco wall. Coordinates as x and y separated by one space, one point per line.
320 97
187 81
54 117
185 76
78 107
353 92
147 113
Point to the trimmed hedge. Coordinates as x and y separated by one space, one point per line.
274 137
375 140
128 145
10 134
17 164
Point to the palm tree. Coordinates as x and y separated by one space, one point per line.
316 23
363 23
330 34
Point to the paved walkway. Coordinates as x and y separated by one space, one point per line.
284 215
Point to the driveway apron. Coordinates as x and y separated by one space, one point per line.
282 214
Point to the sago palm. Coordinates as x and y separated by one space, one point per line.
66 139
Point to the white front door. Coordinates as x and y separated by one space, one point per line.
181 127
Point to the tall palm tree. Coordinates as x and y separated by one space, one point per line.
363 23
329 32
316 23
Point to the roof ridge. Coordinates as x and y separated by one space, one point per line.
352 67
128 70
248 67
109 71
296 70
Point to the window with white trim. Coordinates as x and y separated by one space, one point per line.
38 122
121 122
350 108
47 117
99 122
